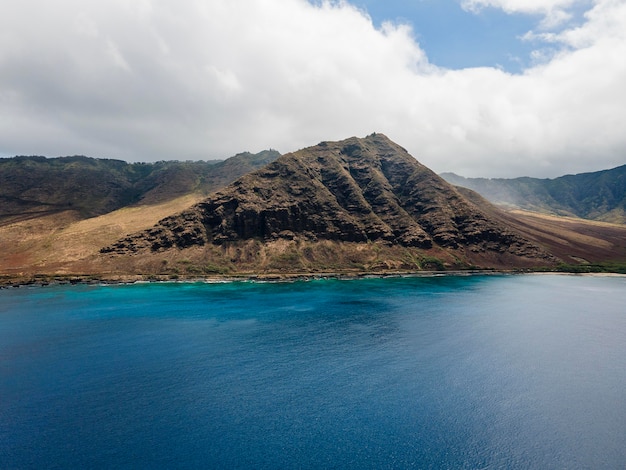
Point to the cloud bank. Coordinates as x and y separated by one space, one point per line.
147 80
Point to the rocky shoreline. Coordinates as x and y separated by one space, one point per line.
46 280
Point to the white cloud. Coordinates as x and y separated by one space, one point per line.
554 12
157 79
522 6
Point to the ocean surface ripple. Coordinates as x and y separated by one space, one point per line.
517 372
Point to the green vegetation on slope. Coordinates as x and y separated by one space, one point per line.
35 186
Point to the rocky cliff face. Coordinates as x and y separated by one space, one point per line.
356 190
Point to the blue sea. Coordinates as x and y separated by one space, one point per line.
493 371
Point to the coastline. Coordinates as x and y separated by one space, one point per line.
42 280
75 279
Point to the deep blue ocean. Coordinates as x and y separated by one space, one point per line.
515 372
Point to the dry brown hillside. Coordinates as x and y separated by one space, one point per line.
57 243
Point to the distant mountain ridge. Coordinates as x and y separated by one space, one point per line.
31 186
599 195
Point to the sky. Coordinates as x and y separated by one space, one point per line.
491 88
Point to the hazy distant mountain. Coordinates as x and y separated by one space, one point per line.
35 186
599 195
369 192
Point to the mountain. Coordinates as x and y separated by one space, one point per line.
34 186
599 195
360 195
57 212
354 206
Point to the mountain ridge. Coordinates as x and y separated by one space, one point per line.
599 195
31 186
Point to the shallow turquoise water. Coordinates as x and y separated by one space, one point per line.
441 372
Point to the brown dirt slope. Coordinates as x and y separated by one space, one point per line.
573 240
59 243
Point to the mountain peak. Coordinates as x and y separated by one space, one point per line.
360 190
